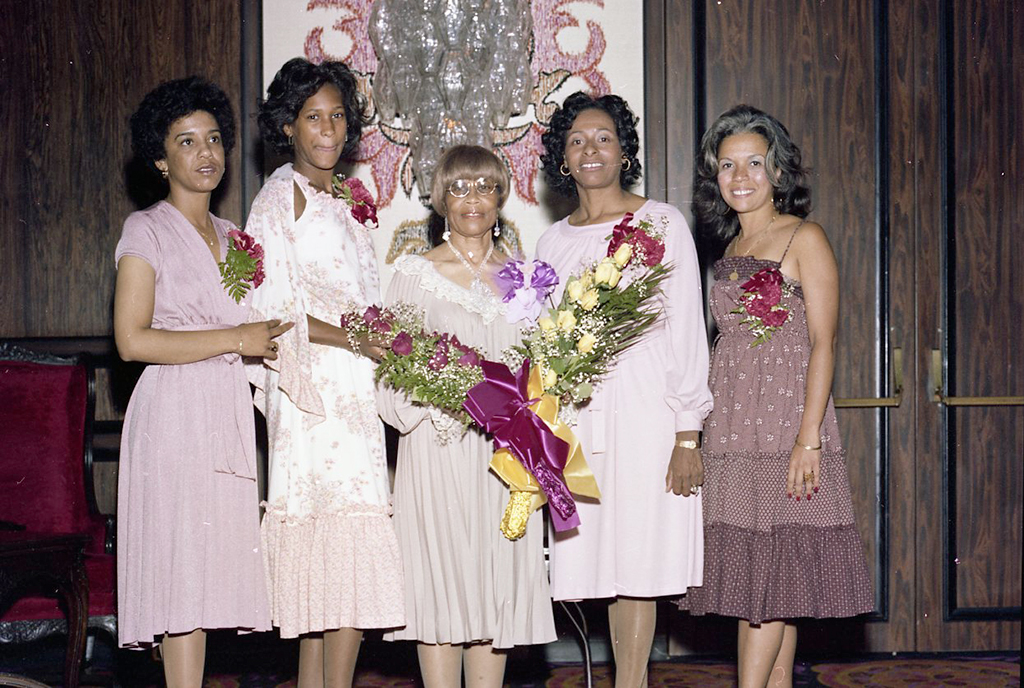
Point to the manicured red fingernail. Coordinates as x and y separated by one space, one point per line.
815 490
808 498
798 498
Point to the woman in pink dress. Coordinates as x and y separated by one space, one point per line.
188 552
332 557
781 540
640 431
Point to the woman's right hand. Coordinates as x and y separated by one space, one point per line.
257 339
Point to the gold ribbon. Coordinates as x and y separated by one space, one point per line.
577 474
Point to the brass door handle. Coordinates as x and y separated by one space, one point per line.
939 398
881 402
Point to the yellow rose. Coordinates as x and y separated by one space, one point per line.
546 323
622 255
586 343
566 321
575 290
549 378
589 300
587 279
607 273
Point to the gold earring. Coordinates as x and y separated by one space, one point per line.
564 170
163 173
626 163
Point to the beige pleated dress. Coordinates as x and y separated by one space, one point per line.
464 582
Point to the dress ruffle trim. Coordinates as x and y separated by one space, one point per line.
790 572
487 306
338 571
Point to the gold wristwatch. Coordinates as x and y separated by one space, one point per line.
687 444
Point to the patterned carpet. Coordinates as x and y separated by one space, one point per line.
254 665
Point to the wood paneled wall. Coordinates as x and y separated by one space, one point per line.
908 115
71 73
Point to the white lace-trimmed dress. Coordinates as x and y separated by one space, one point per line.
464 582
330 549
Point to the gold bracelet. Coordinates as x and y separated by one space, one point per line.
239 346
687 444
808 447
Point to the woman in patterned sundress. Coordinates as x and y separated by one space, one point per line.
779 531
333 566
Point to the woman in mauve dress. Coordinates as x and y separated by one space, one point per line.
640 431
779 531
188 552
470 594
332 559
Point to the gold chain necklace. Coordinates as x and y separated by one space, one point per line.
733 276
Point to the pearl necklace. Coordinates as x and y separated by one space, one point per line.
476 284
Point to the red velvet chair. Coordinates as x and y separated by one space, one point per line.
46 415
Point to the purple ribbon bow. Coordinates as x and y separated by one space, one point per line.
500 406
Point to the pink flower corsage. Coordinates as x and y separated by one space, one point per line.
242 267
359 200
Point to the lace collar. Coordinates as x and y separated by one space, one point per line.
487 306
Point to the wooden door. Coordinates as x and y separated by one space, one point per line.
873 93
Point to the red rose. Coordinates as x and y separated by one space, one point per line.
440 358
775 318
371 314
243 242
757 307
363 207
258 276
470 358
402 344
360 194
771 293
652 249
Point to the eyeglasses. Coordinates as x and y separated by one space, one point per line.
460 188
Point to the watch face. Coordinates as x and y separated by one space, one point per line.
687 444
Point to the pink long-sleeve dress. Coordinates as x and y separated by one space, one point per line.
637 540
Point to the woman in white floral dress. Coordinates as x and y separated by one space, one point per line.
333 565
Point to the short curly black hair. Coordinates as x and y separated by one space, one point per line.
782 165
295 82
562 121
169 102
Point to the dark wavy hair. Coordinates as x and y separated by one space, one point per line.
782 165
295 82
169 102
562 121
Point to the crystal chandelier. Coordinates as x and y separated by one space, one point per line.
451 69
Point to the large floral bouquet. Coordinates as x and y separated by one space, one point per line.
605 308
600 314
761 304
432 368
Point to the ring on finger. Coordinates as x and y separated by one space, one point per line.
273 347
808 477
695 489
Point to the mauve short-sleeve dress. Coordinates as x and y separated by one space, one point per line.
188 541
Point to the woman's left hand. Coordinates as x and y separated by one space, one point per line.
804 476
